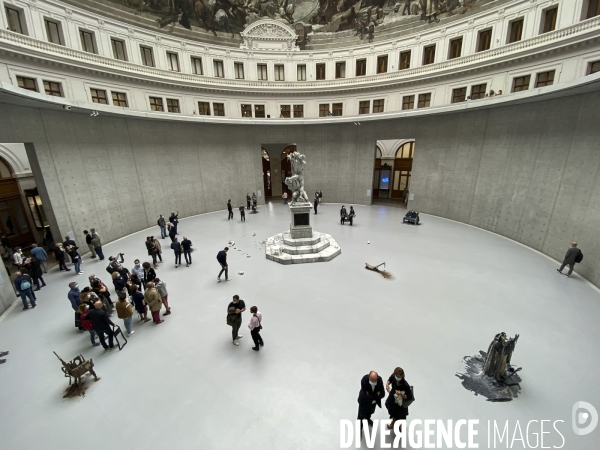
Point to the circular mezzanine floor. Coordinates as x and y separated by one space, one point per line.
182 384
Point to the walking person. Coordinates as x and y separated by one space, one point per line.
154 302
86 323
316 203
186 246
139 303
400 396
343 214
573 255
40 254
248 200
369 397
125 312
36 273
255 326
59 255
97 243
23 285
239 307
102 325
176 246
351 215
172 231
242 213
222 258
285 198
161 287
162 223
88 241
229 210
174 219
158 247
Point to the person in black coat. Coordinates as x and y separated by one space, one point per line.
36 272
69 242
229 210
174 219
119 282
176 247
571 258
343 215
351 215
222 258
149 273
369 397
102 325
59 255
397 384
172 231
316 202
186 246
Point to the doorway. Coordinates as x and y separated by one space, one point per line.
392 171
266 168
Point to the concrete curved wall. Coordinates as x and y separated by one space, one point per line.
526 171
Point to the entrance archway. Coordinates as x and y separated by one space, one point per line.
14 223
266 166
286 168
403 160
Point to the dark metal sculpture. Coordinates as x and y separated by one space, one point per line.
77 369
497 362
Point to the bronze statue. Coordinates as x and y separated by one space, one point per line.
77 369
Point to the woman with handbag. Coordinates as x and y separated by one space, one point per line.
400 396
255 327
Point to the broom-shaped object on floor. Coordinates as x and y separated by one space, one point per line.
384 273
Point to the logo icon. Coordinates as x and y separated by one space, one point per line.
581 417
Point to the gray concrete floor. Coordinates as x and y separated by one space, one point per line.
183 385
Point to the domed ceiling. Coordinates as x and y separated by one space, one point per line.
224 19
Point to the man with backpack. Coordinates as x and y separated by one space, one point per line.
23 284
574 255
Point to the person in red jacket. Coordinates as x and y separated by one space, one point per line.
87 324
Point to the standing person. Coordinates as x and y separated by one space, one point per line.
255 326
59 255
75 258
97 243
149 273
41 255
285 198
316 203
119 282
139 303
573 255
222 258
247 200
161 287
351 215
186 246
86 323
229 210
18 257
162 223
158 247
343 214
242 213
174 219
369 397
88 241
176 246
23 285
254 200
405 194
153 300
101 324
399 390
239 307
74 295
138 271
69 242
320 197
152 250
172 231
36 273
125 312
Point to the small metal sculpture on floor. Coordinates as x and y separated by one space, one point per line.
77 369
491 374
384 273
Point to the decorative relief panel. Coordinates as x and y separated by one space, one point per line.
269 34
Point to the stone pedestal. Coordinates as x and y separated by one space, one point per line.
300 225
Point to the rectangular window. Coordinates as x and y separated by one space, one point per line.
156 104
118 49
15 20
428 55
516 31
382 63
298 111
219 109
478 91
593 67
378 106
99 96
203 108
337 109
364 107
593 9
455 48
53 31
261 70
408 102
424 100
259 111
197 66
521 83
119 99
219 71
279 72
459 95
52 88
323 109
404 61
285 111
172 105
246 110
549 18
27 83
340 70
88 43
173 61
361 67
321 71
484 40
238 68
544 79
301 70
147 56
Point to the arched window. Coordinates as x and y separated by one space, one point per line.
405 150
5 170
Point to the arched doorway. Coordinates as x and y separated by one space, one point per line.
402 169
266 166
14 223
377 169
286 168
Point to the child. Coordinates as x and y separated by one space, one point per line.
161 287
